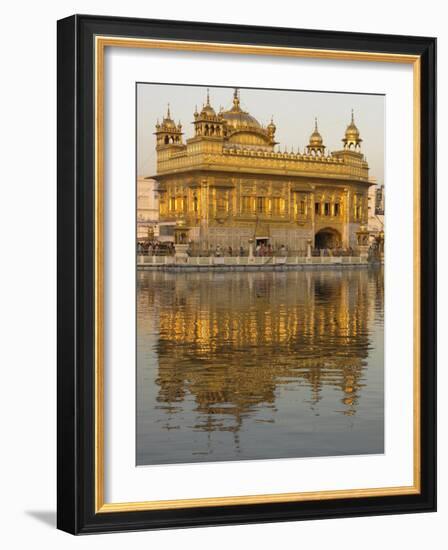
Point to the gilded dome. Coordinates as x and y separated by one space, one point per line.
352 138
237 118
168 122
315 138
207 109
352 132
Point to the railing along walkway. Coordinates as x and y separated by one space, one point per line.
145 260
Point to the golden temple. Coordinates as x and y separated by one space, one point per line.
228 184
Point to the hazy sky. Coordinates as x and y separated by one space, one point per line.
293 112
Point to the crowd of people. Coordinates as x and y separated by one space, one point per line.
156 248
336 251
259 250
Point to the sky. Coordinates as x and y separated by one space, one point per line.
293 113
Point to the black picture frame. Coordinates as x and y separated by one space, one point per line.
76 301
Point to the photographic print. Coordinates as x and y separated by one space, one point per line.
259 274
237 340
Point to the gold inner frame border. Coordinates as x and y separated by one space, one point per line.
100 44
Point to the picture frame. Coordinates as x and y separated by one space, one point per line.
82 42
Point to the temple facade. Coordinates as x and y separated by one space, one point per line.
228 184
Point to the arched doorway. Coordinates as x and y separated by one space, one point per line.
328 238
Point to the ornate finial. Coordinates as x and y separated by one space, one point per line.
271 127
316 144
352 139
208 97
236 99
168 113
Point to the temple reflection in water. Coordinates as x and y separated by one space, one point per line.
252 365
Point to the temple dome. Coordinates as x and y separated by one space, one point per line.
352 131
315 138
207 109
238 119
352 137
167 121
